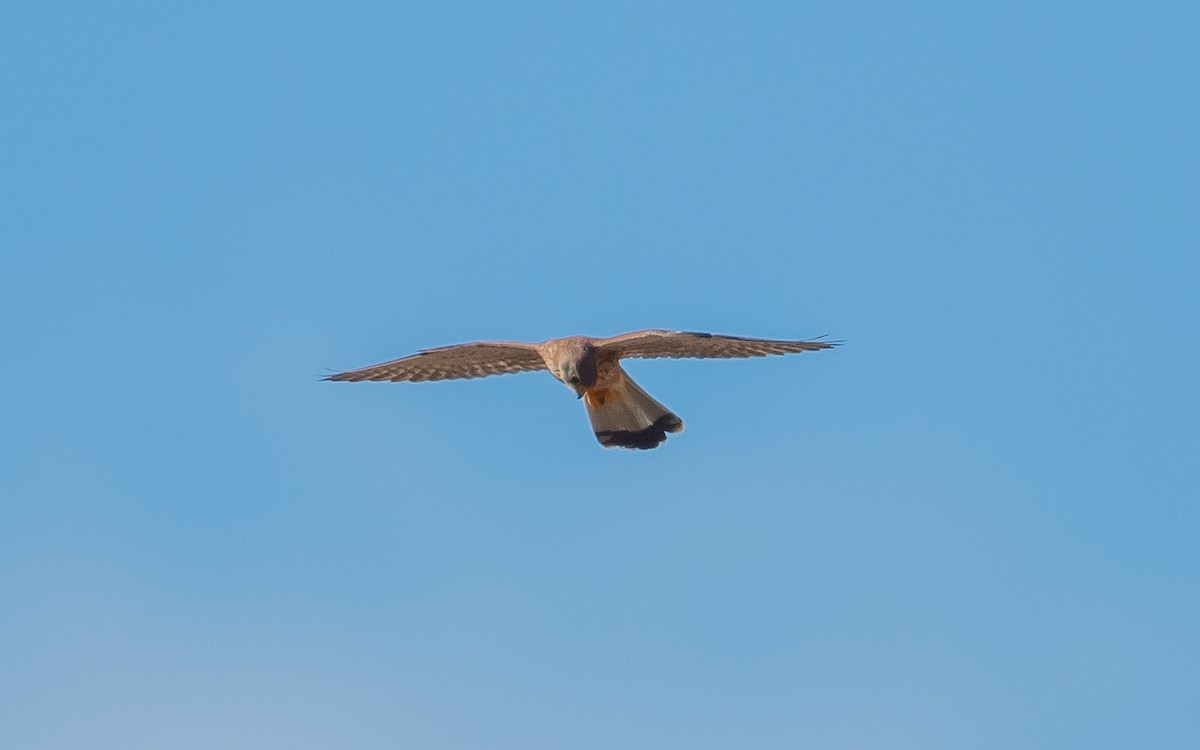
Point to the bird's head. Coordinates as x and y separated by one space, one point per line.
578 366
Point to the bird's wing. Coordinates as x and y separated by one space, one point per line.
475 360
652 344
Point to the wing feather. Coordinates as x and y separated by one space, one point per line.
475 360
653 344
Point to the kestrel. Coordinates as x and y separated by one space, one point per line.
622 414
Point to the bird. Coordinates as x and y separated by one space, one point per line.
621 413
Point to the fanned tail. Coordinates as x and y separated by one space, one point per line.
625 416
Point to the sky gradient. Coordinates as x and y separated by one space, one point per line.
975 525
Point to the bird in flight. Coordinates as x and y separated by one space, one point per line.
622 414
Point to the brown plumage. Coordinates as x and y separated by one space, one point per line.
621 413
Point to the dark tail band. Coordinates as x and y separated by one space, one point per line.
641 439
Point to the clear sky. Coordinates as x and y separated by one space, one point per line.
973 526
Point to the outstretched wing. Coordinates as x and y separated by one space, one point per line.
652 344
475 360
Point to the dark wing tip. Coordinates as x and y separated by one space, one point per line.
827 344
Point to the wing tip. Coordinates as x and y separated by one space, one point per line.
820 340
350 376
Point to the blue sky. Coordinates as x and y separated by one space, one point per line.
974 525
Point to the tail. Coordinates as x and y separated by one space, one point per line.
626 416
